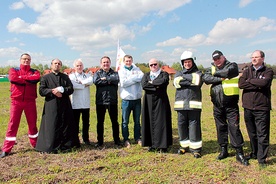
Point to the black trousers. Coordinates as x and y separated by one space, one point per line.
258 128
189 129
228 124
113 114
85 115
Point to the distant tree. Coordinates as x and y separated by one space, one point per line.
143 67
177 66
45 67
201 68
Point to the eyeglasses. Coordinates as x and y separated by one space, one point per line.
154 64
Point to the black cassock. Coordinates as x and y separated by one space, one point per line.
156 112
57 118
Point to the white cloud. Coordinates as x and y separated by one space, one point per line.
91 24
17 6
225 32
244 3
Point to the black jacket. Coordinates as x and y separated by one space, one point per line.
106 90
256 85
229 70
188 91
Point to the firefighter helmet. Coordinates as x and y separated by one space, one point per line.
187 55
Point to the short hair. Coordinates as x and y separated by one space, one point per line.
105 57
128 56
25 54
56 59
261 53
77 61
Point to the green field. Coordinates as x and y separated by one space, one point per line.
135 165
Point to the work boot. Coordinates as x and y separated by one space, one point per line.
223 154
240 157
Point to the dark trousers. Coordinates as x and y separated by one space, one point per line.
85 114
228 123
189 129
113 114
258 127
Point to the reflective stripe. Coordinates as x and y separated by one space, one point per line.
213 70
11 138
179 104
195 104
195 79
196 145
33 136
185 144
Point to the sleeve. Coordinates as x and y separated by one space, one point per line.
208 78
44 89
228 72
15 77
134 78
264 81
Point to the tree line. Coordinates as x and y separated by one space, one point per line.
143 66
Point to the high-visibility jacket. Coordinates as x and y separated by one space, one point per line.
230 86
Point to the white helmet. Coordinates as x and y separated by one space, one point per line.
187 55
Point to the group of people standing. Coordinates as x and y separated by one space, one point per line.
225 81
67 98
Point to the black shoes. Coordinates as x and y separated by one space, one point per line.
98 144
87 143
4 154
223 154
240 158
251 156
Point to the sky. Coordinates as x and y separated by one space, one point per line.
162 29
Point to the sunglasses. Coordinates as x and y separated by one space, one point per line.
154 64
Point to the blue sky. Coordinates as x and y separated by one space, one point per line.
90 29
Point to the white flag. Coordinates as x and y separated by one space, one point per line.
120 57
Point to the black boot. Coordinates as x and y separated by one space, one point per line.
240 157
223 154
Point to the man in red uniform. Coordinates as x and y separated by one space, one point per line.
23 94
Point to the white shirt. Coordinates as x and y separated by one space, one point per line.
80 99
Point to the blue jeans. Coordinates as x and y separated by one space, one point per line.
127 107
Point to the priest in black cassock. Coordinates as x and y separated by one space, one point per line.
156 112
57 117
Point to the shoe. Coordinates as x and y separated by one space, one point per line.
240 158
118 143
262 165
181 151
139 142
197 155
127 144
163 150
98 144
223 154
4 154
87 143
251 156
151 149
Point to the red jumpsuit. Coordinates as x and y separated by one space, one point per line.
23 94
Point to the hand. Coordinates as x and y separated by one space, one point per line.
59 94
103 78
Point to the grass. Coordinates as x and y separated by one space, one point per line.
113 164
